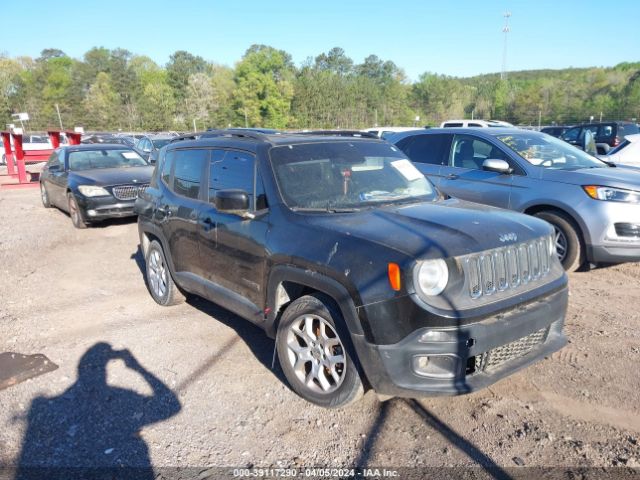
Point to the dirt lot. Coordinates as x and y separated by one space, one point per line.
198 389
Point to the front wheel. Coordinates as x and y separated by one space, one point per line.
567 240
315 353
75 213
44 196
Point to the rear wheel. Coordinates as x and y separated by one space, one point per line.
75 213
569 245
316 355
44 195
159 281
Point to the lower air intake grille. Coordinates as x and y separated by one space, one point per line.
628 230
505 353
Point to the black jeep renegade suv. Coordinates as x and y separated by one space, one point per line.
344 252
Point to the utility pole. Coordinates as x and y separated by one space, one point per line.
59 117
539 119
506 29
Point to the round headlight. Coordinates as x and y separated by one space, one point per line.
430 277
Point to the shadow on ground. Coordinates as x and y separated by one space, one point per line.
93 429
261 346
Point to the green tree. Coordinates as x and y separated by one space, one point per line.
102 104
264 87
180 67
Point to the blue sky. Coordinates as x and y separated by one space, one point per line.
459 38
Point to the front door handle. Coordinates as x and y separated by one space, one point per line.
164 210
451 176
207 223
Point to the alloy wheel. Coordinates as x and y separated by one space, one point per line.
561 244
157 274
316 353
43 194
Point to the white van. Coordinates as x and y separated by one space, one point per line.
475 123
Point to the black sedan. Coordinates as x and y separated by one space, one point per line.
94 182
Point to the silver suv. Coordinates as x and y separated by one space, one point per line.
593 205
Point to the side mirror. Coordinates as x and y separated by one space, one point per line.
496 165
235 202
53 168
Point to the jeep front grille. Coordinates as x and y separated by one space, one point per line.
128 192
507 268
510 351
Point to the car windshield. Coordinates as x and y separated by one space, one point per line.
106 158
619 147
160 143
549 152
347 175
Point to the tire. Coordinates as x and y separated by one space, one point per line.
305 354
75 213
44 196
160 284
569 244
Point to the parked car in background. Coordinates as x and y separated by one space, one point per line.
608 135
593 207
148 146
555 131
627 153
384 132
345 253
93 182
474 123
30 141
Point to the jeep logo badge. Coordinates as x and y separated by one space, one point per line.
508 237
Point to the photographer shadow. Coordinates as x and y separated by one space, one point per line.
93 429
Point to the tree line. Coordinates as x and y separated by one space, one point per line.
115 89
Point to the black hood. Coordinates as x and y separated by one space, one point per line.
105 177
433 230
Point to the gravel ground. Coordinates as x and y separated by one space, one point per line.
193 385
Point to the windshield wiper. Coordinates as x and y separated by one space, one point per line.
324 210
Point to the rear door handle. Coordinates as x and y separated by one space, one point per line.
451 176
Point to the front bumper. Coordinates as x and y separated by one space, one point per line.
390 371
604 242
99 208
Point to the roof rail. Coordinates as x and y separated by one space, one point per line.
340 133
229 132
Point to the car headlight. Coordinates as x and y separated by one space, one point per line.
430 277
612 194
93 191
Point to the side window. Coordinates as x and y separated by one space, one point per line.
431 149
234 170
187 171
605 131
450 124
474 125
166 168
571 135
471 152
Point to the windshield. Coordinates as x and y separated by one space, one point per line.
549 152
346 175
619 147
112 158
160 143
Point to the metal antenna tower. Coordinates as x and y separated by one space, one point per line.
506 29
